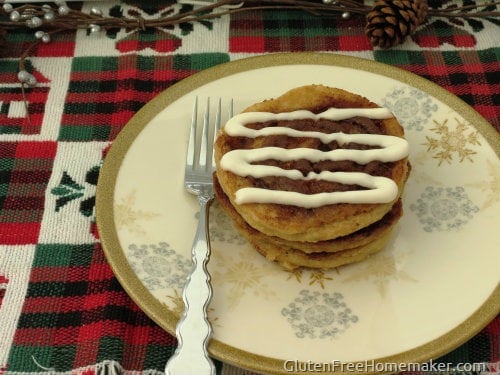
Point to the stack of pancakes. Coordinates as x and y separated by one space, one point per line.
313 235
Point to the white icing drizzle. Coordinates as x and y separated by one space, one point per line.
379 189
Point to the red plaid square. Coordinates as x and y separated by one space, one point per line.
25 169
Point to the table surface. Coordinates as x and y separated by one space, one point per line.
61 308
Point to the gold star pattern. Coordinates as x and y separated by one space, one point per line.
380 270
318 277
452 142
295 273
178 308
178 304
315 276
490 187
243 276
128 217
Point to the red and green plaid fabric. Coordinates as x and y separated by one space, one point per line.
25 170
61 308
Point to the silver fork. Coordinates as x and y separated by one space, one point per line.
193 329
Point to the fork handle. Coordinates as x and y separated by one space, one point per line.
193 330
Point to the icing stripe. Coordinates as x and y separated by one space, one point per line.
380 189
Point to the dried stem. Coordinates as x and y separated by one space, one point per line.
466 11
77 20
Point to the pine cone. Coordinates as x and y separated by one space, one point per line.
390 22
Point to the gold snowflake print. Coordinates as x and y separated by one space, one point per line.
315 276
178 303
380 270
129 217
490 187
243 276
451 142
178 307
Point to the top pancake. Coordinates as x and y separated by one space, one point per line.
327 222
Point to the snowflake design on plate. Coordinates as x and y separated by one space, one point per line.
412 107
380 270
158 266
489 187
319 315
131 218
241 274
221 227
313 276
452 141
444 209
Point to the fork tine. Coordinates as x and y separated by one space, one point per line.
192 137
199 161
218 124
218 115
217 127
203 157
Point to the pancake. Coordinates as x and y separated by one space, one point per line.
327 254
291 259
314 177
325 222
359 238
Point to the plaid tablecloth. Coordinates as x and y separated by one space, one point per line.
61 308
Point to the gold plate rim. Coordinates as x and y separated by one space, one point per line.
167 320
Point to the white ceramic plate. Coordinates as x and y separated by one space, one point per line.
430 290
